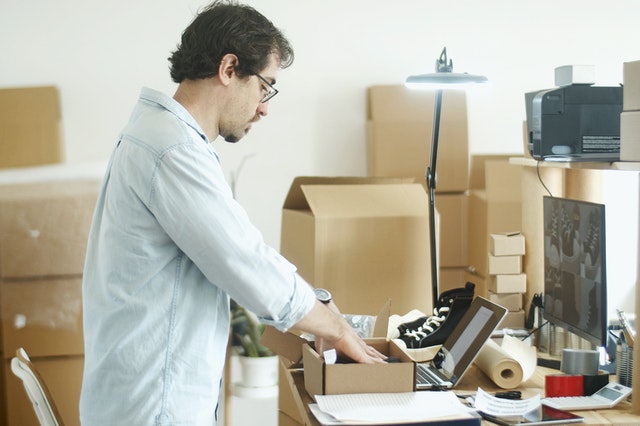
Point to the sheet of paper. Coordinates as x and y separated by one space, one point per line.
391 407
504 407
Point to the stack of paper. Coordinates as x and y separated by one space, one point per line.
393 408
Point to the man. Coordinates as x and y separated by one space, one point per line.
169 245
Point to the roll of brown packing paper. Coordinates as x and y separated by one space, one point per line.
501 367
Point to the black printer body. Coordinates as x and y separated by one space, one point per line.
578 122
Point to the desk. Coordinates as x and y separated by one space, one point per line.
473 379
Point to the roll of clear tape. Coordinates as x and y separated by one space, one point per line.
499 366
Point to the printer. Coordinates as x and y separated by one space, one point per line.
578 122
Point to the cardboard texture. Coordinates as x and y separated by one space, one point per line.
505 265
399 131
63 377
631 86
507 244
320 378
495 206
30 126
363 239
630 136
511 301
43 316
44 227
453 214
513 319
508 283
331 379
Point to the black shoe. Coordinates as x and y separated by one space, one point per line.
434 330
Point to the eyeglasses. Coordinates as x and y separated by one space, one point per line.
271 91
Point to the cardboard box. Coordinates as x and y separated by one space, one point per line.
399 135
30 126
44 227
287 404
505 265
363 239
512 320
631 86
495 205
508 283
511 301
327 379
63 377
630 135
453 213
575 74
450 278
331 379
507 244
43 316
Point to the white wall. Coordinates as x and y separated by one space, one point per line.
101 53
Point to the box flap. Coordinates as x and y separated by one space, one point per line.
381 327
296 200
382 200
287 345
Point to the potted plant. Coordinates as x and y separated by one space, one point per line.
259 365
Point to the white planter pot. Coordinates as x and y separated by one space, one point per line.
258 372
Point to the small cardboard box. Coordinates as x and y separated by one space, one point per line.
631 86
30 126
366 240
330 379
513 319
507 244
630 135
511 301
505 265
508 283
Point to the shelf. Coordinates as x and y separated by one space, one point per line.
578 165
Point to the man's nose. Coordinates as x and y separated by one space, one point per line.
263 109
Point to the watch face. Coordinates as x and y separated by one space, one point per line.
322 295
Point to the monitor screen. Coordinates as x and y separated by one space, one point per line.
575 291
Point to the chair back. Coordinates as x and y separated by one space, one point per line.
36 389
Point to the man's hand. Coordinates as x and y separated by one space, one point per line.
332 331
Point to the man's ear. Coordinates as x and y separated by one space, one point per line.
227 68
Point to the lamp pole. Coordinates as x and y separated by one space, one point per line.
431 186
443 77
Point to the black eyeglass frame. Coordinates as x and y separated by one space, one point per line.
272 90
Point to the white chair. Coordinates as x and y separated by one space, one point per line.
36 389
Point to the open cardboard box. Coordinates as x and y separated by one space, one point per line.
341 378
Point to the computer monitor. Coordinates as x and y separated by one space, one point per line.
575 288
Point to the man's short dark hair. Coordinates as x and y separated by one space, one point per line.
228 27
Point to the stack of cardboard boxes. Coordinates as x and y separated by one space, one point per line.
399 126
45 215
495 207
630 117
507 282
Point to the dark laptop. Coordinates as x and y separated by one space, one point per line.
461 348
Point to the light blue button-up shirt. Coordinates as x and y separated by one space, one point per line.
167 247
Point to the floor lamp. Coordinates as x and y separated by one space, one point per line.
444 77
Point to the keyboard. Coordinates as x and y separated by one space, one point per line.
426 375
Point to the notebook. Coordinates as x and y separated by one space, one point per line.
461 348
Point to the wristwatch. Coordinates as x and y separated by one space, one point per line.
322 295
